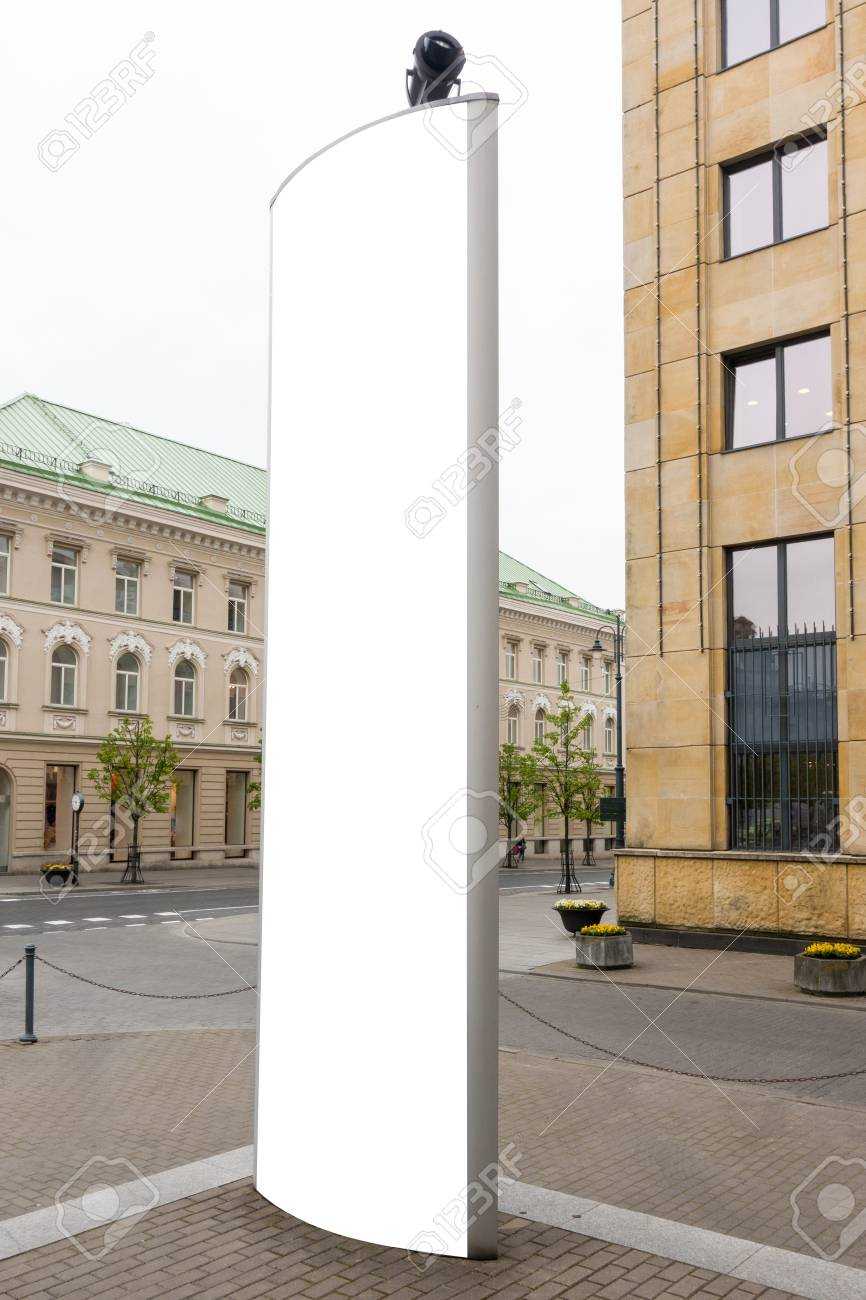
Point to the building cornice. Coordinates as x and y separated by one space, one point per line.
77 509
571 619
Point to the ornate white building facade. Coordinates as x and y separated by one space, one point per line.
131 584
546 636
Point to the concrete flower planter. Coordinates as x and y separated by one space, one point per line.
830 977
604 951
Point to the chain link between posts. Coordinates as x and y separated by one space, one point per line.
10 969
670 1069
136 993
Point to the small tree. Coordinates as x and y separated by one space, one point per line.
254 790
135 772
518 791
561 762
589 787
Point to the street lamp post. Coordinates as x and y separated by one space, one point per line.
619 769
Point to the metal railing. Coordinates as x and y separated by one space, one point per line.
783 766
60 466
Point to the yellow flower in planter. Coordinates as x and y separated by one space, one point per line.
843 951
580 905
603 931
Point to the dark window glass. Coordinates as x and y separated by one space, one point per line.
811 584
784 392
753 385
776 197
796 17
755 592
808 386
754 26
749 207
747 29
805 199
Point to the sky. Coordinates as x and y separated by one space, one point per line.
135 224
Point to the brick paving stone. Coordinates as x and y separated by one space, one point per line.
296 1259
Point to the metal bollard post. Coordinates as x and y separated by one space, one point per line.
29 994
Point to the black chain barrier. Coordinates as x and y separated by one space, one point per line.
670 1069
136 993
10 969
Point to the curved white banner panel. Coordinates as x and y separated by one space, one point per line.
376 1108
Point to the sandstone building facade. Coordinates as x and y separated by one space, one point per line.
131 583
745 349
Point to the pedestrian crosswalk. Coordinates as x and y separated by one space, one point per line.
126 920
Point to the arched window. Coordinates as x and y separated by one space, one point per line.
184 689
126 678
238 687
587 736
63 668
609 735
539 725
4 670
513 725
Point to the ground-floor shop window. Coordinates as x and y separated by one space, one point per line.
59 789
236 813
182 808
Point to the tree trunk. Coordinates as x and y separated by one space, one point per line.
567 857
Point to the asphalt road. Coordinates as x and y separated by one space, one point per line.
514 878
694 1032
32 914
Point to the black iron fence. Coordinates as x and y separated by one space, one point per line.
783 773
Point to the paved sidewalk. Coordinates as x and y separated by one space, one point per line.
231 1242
155 877
726 1159
150 1100
530 932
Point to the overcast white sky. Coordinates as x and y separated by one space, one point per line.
135 274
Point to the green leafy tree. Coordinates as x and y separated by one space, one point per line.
254 800
518 791
561 762
134 773
590 785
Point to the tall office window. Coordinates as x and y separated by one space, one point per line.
776 196
238 596
5 551
537 665
126 583
782 391
783 731
64 575
511 661
182 596
751 27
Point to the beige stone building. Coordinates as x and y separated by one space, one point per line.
131 583
745 350
547 635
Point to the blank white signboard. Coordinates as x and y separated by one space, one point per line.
376 1101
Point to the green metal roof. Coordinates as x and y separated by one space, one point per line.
541 590
52 441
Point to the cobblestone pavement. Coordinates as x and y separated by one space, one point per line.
728 1161
153 1099
230 1242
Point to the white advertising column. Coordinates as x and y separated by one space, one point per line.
377 1072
